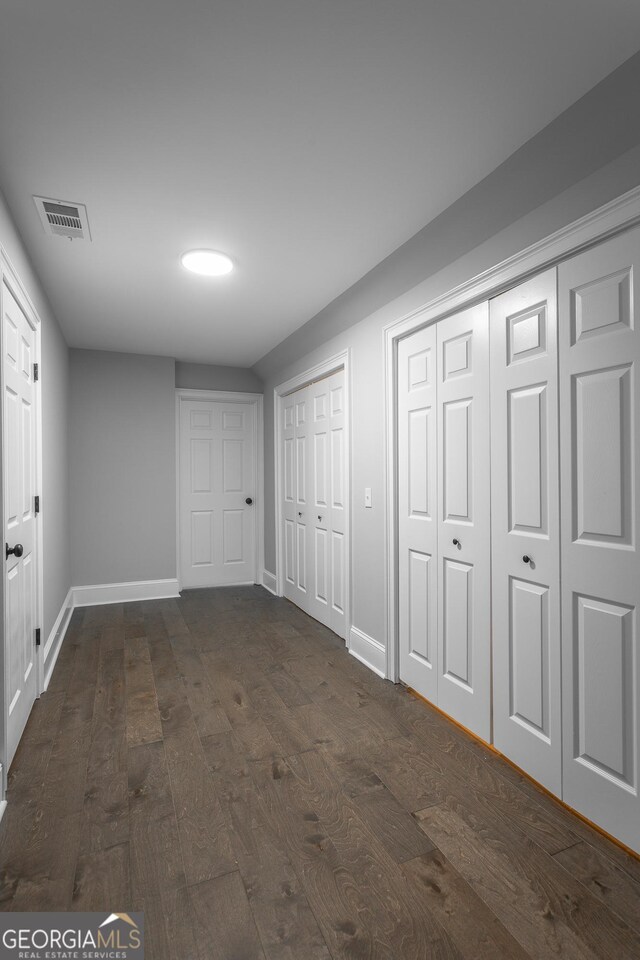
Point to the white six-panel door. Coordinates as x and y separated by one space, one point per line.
19 478
313 494
295 509
327 511
464 533
526 524
217 477
600 470
418 513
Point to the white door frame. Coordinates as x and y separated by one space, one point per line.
9 276
620 214
251 399
340 361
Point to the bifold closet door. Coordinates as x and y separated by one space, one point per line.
326 512
295 413
417 513
313 500
464 528
600 470
526 529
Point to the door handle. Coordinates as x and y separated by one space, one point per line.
456 542
17 551
527 559
249 500
299 513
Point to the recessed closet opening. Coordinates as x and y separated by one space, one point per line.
514 574
312 492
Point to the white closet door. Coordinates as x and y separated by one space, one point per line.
295 409
417 513
327 506
600 469
525 523
217 477
289 494
464 547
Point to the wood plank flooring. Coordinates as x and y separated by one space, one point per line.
221 762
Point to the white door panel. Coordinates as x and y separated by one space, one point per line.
294 425
417 516
19 478
526 522
217 475
600 466
313 457
464 536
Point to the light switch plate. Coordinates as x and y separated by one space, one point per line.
367 496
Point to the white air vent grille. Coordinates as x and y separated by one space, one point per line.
63 219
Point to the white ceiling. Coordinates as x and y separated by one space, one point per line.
306 138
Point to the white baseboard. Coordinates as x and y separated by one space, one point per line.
99 593
269 582
55 638
368 651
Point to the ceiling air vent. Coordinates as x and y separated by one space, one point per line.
63 219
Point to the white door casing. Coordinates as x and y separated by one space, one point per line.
217 473
418 512
464 528
526 523
20 429
600 470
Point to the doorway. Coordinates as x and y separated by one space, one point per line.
22 582
219 485
312 492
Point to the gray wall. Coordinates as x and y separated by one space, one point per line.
207 376
55 403
588 156
123 467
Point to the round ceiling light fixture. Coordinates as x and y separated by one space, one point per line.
208 263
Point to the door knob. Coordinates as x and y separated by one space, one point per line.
319 518
249 500
456 542
526 559
299 513
17 551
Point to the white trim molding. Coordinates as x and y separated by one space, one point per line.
100 593
339 361
56 636
368 651
614 217
269 582
256 400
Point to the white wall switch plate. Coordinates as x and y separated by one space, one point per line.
367 496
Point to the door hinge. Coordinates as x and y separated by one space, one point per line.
37 505
37 636
36 371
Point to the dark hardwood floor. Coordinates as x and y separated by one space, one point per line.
223 764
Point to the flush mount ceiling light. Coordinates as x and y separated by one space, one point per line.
208 263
